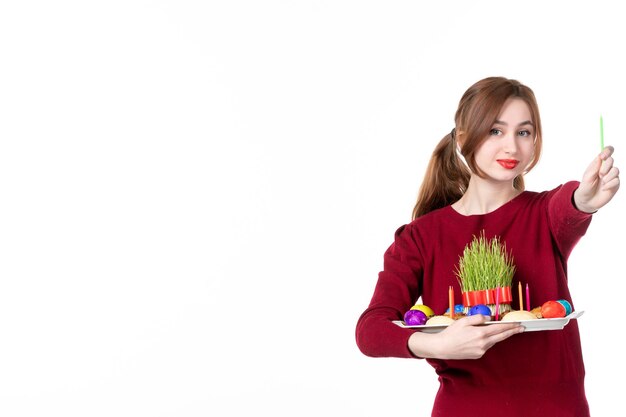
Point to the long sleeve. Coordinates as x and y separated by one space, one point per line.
397 289
568 224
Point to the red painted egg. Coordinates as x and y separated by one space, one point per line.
552 310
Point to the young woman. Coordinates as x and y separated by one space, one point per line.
474 183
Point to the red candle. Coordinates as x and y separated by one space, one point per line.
451 301
497 302
527 298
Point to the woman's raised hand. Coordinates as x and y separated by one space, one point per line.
599 184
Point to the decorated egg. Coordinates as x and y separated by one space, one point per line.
552 310
415 318
424 309
458 309
567 305
479 309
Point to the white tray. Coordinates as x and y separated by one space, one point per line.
529 325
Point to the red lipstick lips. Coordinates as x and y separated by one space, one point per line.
508 163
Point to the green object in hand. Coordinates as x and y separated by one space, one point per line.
601 134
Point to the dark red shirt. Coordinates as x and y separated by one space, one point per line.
529 374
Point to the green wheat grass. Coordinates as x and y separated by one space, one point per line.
485 264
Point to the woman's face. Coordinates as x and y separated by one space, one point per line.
510 145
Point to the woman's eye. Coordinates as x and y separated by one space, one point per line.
495 132
524 133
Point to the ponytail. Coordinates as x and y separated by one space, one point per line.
446 178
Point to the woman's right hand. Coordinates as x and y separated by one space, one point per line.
463 339
599 184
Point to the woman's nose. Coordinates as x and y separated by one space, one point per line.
510 143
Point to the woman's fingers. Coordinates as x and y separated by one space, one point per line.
610 174
591 173
600 165
473 320
606 166
599 184
611 181
504 331
606 152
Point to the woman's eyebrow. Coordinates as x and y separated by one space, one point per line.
524 123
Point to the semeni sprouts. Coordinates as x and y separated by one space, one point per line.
485 264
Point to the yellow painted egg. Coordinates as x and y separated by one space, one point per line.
424 309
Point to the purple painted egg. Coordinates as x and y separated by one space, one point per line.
415 318
479 309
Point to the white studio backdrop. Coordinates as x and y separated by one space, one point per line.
196 196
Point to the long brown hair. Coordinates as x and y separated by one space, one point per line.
447 177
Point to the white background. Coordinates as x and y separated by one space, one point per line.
195 197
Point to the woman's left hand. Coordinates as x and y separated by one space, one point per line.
599 184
